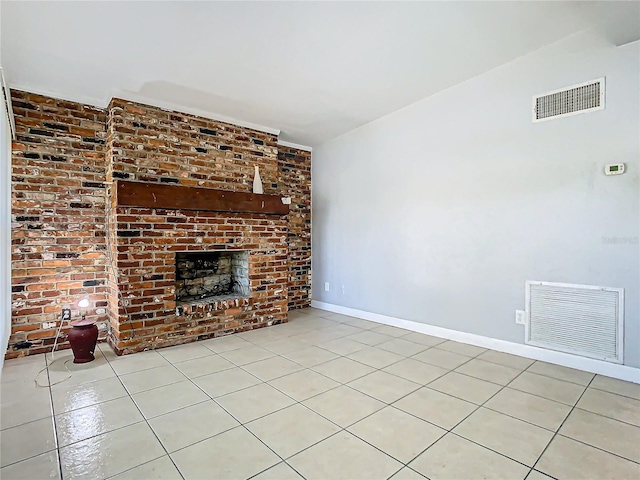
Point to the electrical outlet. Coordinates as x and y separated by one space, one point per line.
66 314
48 325
521 317
326 286
343 289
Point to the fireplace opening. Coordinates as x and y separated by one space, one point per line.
212 276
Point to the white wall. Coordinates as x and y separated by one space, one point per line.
5 227
440 212
5 230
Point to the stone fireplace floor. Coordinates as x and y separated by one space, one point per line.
325 396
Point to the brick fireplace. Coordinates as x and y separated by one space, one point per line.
211 276
66 161
147 314
181 220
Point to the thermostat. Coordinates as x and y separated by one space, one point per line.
614 169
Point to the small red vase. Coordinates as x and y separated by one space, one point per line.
83 339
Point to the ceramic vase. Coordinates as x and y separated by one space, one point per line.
257 182
83 339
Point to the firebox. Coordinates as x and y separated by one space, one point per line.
212 276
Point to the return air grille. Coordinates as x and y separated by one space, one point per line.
582 98
580 319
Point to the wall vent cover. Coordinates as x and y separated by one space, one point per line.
579 319
565 102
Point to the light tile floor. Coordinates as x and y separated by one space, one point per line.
325 396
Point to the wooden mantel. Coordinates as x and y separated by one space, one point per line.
178 197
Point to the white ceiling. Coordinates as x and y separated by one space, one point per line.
312 70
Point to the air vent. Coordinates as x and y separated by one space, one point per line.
582 98
580 319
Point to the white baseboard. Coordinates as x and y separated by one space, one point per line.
622 372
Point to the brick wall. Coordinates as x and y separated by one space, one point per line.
294 166
64 154
148 144
58 216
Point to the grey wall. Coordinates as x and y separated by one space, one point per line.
440 212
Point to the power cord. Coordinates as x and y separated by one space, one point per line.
55 344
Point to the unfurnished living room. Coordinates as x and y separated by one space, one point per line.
320 240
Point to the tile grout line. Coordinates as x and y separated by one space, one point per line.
406 465
507 386
55 423
586 388
556 378
582 409
52 417
575 407
148 425
483 406
560 427
463 419
598 448
614 393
